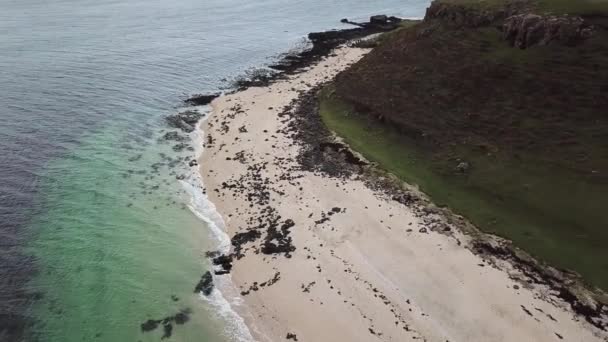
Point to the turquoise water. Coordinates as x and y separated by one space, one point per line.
99 234
116 248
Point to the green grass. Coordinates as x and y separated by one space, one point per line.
556 7
573 7
477 4
554 214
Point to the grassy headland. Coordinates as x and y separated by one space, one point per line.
514 139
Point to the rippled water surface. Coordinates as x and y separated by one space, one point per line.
98 235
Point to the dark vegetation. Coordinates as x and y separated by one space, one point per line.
499 110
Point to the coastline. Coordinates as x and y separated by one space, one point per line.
343 262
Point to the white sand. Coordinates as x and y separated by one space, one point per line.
364 271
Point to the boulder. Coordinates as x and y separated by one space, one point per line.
378 19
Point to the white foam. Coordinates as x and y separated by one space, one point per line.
206 211
237 330
200 205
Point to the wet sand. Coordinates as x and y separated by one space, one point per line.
329 259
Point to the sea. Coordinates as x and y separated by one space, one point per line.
103 223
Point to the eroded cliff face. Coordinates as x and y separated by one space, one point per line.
526 30
520 26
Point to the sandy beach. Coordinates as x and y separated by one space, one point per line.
329 259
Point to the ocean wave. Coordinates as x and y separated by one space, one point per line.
224 296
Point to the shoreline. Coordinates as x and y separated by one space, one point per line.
314 262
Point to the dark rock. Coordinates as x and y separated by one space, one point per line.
238 240
167 330
149 325
212 254
176 122
324 42
205 285
405 198
179 318
378 19
278 240
202 99
225 261
190 117
526 311
180 147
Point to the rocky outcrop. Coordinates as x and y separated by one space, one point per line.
324 42
381 21
202 99
378 19
526 30
519 26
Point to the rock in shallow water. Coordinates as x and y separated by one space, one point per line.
205 285
185 120
202 99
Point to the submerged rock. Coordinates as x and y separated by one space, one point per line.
205 285
174 136
185 120
150 325
179 318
